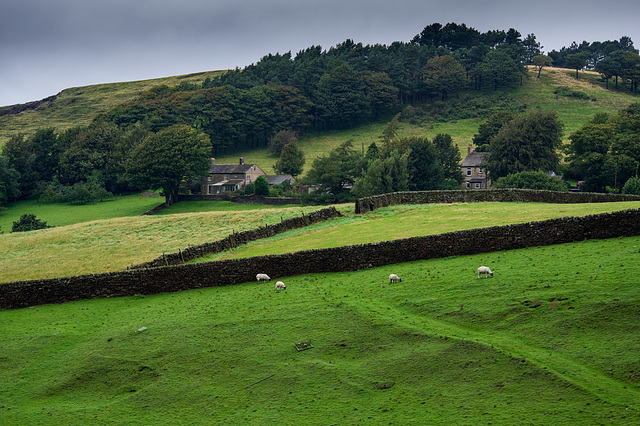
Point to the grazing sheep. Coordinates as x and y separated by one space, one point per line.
280 285
263 277
484 270
394 278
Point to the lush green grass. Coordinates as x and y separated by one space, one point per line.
551 339
114 244
206 206
68 214
405 221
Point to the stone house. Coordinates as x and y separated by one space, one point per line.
231 177
473 172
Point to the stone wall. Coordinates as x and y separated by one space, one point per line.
237 239
367 204
349 258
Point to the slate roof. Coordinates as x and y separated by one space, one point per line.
474 159
277 179
231 168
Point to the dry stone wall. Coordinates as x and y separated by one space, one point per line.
237 239
350 258
367 204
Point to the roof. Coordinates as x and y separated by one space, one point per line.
474 159
278 179
231 168
234 182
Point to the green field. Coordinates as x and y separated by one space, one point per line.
94 246
551 339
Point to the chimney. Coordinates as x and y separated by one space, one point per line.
242 160
469 149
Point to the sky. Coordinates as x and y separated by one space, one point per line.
47 46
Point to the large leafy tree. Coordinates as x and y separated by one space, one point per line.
384 175
606 150
449 156
340 167
588 151
291 160
490 128
9 182
497 69
445 75
526 143
21 157
165 160
576 61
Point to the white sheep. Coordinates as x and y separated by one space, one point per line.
394 278
484 270
263 277
280 285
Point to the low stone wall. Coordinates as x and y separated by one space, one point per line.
237 239
350 258
367 204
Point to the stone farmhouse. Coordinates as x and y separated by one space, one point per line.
475 176
232 177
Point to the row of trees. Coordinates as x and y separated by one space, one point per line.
335 88
617 59
89 164
399 164
522 149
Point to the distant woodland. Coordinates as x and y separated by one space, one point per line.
337 88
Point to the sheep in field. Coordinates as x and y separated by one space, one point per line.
394 278
263 277
484 270
280 285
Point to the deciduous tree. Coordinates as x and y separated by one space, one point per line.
168 158
526 143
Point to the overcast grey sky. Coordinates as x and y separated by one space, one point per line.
50 45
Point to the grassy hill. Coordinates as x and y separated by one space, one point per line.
551 339
78 106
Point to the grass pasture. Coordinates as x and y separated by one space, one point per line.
551 339
114 244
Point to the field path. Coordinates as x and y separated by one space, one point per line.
568 369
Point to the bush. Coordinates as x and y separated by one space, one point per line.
531 180
632 186
28 222
261 186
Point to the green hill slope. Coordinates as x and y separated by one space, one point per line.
78 106
554 344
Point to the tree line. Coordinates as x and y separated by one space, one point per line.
336 88
523 150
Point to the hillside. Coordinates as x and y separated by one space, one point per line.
78 106
552 344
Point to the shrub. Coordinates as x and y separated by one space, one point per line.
632 186
261 186
28 222
531 180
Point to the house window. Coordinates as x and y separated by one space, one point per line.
468 171
468 185
477 186
479 170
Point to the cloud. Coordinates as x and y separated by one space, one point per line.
46 46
